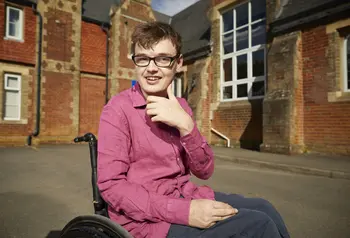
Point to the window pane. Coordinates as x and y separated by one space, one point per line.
258 63
227 17
258 88
242 68
242 15
228 70
242 39
14 15
258 33
227 93
12 82
242 90
11 111
258 9
228 43
12 29
11 98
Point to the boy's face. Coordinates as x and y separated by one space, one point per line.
153 79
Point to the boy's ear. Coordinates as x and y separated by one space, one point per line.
179 65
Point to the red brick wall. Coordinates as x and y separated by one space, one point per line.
326 125
59 37
136 10
92 100
57 99
124 84
93 48
124 40
12 50
241 122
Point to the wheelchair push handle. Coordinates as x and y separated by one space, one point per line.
86 138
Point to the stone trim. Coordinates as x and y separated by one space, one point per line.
93 76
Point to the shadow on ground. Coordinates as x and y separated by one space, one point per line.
53 234
31 215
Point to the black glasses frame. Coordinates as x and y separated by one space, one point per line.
172 59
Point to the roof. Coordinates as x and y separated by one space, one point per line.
293 13
193 25
98 11
162 17
293 7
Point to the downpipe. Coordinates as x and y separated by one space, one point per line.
38 92
107 61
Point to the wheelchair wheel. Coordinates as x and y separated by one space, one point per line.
93 226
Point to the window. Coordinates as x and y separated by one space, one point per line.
347 63
177 87
14 23
12 103
243 64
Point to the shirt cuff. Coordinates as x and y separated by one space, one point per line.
178 211
192 141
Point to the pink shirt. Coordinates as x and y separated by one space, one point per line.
144 167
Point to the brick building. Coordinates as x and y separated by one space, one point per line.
62 47
270 76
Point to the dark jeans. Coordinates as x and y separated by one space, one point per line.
256 218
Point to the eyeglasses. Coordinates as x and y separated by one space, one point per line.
160 61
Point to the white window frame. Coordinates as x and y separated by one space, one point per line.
248 51
178 92
8 36
346 69
7 88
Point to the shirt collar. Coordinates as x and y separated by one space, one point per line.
138 100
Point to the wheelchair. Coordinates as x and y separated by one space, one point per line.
97 225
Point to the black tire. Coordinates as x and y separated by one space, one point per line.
93 226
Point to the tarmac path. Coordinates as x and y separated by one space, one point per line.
41 190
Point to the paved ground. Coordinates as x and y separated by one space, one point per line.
309 164
40 191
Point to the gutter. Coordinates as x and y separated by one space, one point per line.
107 61
38 74
323 12
198 53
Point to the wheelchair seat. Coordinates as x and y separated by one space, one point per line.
98 224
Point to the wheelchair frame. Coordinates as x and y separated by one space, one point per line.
99 224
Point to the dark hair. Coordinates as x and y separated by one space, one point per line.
149 33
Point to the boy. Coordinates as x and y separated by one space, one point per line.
148 147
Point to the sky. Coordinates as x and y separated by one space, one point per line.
171 7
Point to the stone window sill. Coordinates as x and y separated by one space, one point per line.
239 103
12 122
338 96
14 39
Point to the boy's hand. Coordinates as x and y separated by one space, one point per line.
169 111
205 213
